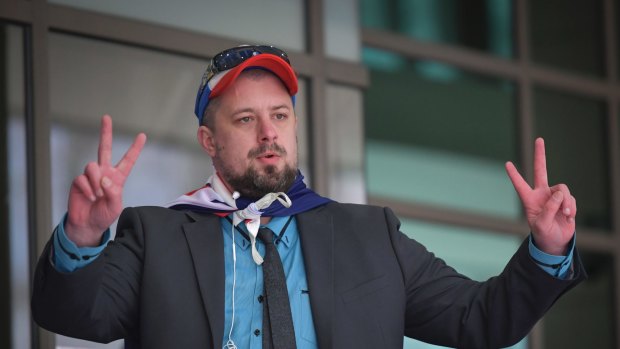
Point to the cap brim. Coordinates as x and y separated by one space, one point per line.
272 63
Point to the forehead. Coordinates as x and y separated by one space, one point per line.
256 88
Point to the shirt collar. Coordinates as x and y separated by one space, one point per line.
276 224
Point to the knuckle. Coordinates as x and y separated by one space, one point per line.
91 166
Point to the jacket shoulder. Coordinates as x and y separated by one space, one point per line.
350 210
150 215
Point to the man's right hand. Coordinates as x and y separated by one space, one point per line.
96 196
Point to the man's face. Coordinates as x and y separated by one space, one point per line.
253 140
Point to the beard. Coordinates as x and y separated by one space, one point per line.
253 184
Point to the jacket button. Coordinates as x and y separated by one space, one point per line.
260 298
257 332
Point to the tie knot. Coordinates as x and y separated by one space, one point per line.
266 236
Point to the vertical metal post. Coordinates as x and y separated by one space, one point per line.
37 147
5 270
526 119
613 130
319 160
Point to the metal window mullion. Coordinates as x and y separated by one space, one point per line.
459 57
319 163
595 240
613 130
5 239
193 44
16 11
526 121
37 147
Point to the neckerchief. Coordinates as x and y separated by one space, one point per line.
215 198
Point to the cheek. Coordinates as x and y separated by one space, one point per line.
232 148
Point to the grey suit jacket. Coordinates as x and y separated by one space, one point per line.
160 284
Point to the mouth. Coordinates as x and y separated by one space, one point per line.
269 158
268 155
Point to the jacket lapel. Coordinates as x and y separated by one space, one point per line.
317 243
205 241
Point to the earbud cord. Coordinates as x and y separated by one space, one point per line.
230 344
253 212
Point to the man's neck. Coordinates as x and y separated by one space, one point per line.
264 220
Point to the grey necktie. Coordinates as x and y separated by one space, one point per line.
278 331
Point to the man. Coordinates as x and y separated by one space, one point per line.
200 274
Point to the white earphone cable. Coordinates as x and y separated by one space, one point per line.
230 344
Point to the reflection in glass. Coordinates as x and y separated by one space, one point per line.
575 132
584 317
439 136
567 35
476 253
484 25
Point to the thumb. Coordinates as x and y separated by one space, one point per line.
113 191
551 208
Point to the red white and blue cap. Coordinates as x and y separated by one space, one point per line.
213 85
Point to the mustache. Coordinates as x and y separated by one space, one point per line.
263 148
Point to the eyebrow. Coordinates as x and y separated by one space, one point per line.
251 110
281 106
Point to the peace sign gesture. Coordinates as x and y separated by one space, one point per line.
550 211
96 196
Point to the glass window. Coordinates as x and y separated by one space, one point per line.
345 143
564 325
341 34
484 25
15 256
282 23
476 253
568 35
439 135
575 132
144 91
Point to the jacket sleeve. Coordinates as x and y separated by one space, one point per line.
446 308
98 302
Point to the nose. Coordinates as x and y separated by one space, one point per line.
267 132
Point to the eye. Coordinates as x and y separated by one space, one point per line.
245 119
280 116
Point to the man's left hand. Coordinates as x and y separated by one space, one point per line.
550 211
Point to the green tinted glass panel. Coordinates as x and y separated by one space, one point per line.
438 135
574 129
583 318
476 253
567 35
484 25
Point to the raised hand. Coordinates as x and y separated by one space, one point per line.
550 211
96 196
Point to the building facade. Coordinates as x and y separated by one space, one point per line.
412 104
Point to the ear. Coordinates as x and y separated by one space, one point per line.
206 138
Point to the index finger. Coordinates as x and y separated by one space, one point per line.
129 159
105 141
540 164
517 180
